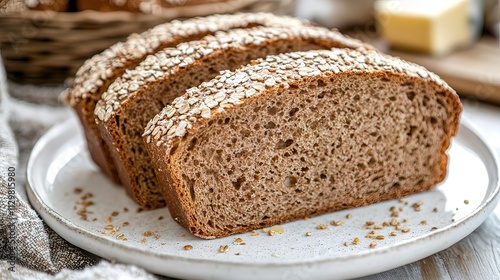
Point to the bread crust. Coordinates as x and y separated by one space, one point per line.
173 142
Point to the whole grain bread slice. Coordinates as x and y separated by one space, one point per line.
97 73
132 100
301 134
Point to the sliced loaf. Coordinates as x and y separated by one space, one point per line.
300 134
132 100
94 77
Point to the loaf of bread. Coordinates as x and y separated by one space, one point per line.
136 97
300 134
97 73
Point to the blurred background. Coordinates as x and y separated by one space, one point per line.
44 42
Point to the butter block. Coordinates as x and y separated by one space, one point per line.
429 26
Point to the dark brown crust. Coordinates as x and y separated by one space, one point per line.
167 184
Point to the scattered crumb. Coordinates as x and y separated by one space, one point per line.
321 226
466 201
373 244
308 233
380 237
433 228
148 233
355 241
378 227
237 254
114 214
337 223
270 232
108 227
160 218
120 236
435 210
423 222
109 220
417 205
188 247
84 202
254 233
183 235
157 236
370 223
125 224
405 230
393 233
264 230
346 244
223 248
395 214
239 241
278 229
405 220
386 224
143 240
125 209
348 216
275 255
139 210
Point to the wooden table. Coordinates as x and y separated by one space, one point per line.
478 255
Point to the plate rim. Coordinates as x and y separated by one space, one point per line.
55 220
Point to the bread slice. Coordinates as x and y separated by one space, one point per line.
97 73
132 100
301 134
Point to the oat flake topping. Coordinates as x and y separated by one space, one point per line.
252 80
167 61
98 69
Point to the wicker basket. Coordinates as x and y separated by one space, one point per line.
46 47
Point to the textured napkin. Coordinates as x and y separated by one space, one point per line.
29 249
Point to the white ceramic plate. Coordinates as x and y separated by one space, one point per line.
60 163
